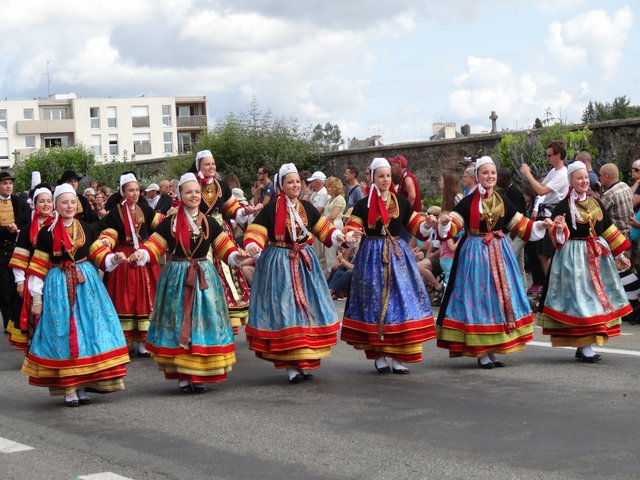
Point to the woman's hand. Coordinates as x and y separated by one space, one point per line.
444 219
20 289
253 249
352 236
135 257
36 309
559 221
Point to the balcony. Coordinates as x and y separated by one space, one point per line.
193 121
37 127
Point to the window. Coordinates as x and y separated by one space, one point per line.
96 144
113 144
50 142
4 148
140 116
185 142
142 143
27 113
168 142
112 117
3 121
94 113
184 111
54 113
166 115
30 141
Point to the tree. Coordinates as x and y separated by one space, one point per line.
243 142
620 108
538 123
328 137
51 163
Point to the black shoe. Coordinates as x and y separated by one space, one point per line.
299 378
71 403
400 371
84 401
186 389
199 388
583 358
486 366
144 355
308 376
498 364
383 370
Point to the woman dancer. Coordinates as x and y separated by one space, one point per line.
132 289
292 319
584 298
190 335
388 313
78 345
219 204
485 308
20 334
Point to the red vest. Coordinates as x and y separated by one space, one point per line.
402 189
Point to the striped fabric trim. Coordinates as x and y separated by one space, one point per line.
617 242
521 226
257 234
457 224
20 259
323 229
413 227
355 224
554 237
98 254
40 264
223 246
110 234
157 218
230 207
155 246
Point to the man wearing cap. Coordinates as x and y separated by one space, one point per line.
85 212
409 186
11 207
319 198
152 192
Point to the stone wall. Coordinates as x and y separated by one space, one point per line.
617 141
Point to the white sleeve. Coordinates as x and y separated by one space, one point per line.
538 231
109 263
334 238
231 260
425 230
35 285
241 217
145 258
18 275
443 230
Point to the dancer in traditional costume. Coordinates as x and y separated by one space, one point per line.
583 297
42 198
131 288
388 312
485 309
190 335
292 318
219 203
78 345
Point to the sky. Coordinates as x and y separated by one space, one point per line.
383 67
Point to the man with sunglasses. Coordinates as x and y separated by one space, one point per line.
267 190
554 188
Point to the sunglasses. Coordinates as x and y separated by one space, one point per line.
635 169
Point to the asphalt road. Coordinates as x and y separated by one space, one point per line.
543 417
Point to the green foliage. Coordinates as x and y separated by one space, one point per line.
620 108
531 147
328 137
242 143
51 163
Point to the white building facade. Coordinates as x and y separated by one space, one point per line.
136 128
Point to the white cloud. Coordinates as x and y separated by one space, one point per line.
593 37
489 84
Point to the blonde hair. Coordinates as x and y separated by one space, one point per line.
334 185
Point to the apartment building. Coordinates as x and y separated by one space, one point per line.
138 128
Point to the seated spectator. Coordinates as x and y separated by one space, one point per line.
340 276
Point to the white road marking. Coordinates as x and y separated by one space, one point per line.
619 351
102 476
9 446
